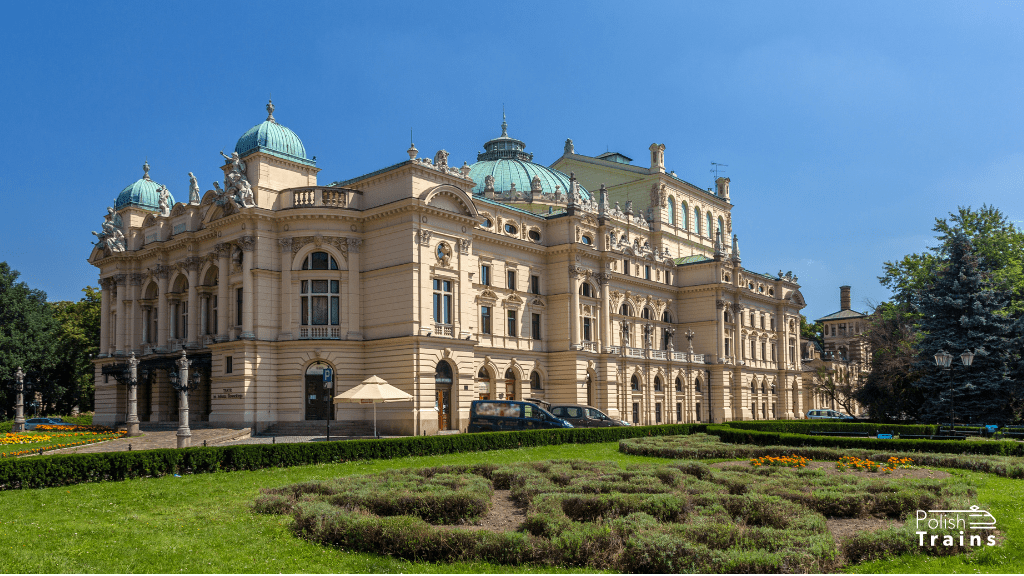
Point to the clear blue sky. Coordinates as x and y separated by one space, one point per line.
847 127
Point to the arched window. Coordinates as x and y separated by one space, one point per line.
711 230
679 384
696 385
686 216
671 211
646 313
666 316
534 380
510 384
634 383
721 228
763 387
587 290
319 261
657 383
696 220
753 386
625 310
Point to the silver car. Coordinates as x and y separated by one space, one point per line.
827 415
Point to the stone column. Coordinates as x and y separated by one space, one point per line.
720 329
133 389
223 262
105 299
19 401
285 299
122 321
134 325
603 280
204 321
355 321
146 319
192 339
574 307
184 434
162 324
248 246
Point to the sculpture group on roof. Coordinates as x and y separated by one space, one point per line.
110 235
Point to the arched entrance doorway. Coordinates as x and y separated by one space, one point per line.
510 384
319 391
443 395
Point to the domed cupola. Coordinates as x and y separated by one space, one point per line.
505 159
272 138
143 193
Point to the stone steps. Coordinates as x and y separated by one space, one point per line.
318 428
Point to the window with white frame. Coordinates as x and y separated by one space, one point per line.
442 301
320 302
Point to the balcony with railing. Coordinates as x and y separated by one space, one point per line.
634 352
319 333
659 355
319 197
445 330
613 350
590 346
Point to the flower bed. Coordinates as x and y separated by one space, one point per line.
791 461
19 444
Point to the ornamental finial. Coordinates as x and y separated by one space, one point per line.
270 111
504 124
145 170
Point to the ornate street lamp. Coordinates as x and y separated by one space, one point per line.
19 403
132 373
943 360
180 382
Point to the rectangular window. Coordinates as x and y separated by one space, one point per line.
512 324
753 349
764 350
534 284
213 316
238 307
647 272
625 266
587 336
657 412
753 410
773 352
727 347
636 412
697 411
227 365
442 301
792 351
535 326
485 319
510 278
485 275
679 412
773 323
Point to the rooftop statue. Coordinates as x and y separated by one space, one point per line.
110 236
236 163
569 147
165 198
193 189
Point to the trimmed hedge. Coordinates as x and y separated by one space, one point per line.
745 435
806 426
63 470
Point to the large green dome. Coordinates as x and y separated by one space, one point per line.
142 193
269 136
504 159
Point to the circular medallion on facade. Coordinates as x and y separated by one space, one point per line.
352 227
423 219
463 228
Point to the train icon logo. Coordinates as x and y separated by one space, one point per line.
971 527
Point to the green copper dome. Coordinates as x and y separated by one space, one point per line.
271 137
142 193
504 159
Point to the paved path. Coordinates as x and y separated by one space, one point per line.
153 439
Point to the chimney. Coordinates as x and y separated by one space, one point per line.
844 297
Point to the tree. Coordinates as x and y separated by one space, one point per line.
70 378
27 332
962 309
836 385
812 332
998 245
889 393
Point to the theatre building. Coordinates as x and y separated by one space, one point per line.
590 280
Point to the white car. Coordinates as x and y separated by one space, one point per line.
827 415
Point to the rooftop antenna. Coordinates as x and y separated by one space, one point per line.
410 137
716 168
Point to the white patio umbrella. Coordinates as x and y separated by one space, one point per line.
373 390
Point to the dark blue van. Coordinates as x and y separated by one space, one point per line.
503 415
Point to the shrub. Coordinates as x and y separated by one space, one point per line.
840 504
866 546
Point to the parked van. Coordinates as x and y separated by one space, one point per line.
503 415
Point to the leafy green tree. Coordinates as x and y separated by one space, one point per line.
997 243
70 378
838 387
964 309
889 394
812 332
27 332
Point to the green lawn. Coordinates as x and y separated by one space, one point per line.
205 524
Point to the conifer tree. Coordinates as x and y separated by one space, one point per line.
960 310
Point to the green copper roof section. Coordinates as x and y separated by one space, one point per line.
506 161
143 193
842 315
696 258
271 137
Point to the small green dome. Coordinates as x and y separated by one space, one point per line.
504 158
143 193
269 136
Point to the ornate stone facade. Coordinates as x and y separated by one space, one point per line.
451 285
